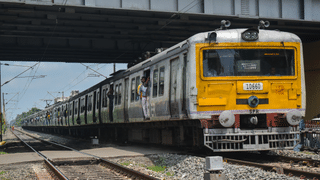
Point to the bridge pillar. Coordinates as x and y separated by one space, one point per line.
312 76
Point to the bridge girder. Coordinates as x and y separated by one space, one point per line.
119 31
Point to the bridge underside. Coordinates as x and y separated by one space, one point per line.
75 33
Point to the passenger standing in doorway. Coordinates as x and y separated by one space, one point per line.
110 96
48 118
144 91
65 116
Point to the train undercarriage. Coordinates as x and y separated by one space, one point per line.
170 133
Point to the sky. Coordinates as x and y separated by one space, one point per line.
30 90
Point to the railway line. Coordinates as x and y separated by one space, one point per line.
182 165
97 168
291 166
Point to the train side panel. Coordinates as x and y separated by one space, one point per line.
134 102
104 104
118 101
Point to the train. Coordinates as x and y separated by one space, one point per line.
225 90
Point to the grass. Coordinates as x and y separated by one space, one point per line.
125 163
156 168
3 153
169 174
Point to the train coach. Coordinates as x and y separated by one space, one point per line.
226 90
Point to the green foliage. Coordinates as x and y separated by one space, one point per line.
3 153
20 117
156 168
125 163
160 162
169 174
2 172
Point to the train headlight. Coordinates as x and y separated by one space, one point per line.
226 119
250 35
253 101
294 117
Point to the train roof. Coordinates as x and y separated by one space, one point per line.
234 35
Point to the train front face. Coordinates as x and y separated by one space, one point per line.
251 93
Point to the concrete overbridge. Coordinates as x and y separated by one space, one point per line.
119 31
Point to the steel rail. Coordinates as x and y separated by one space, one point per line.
295 172
56 171
109 164
312 162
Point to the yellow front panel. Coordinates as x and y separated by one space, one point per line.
220 93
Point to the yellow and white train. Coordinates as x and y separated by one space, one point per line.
227 90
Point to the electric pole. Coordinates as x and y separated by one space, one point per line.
0 109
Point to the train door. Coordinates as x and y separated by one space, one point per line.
99 105
184 86
146 74
173 95
111 102
72 112
65 114
126 100
85 109
77 111
94 117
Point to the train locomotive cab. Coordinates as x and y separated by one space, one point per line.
250 89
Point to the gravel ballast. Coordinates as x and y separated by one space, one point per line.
176 166
192 167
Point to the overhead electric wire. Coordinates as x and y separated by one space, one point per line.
19 74
93 70
157 30
173 15
77 83
43 55
12 98
73 80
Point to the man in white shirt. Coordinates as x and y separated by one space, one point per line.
144 90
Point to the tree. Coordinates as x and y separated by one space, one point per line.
20 117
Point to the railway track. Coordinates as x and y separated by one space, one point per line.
303 168
299 167
97 167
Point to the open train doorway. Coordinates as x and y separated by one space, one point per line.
126 100
146 74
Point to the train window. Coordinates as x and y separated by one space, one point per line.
90 103
106 99
133 89
98 100
82 105
103 96
137 84
65 113
70 109
76 107
119 93
116 95
161 82
248 62
155 83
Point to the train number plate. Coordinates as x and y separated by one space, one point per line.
252 86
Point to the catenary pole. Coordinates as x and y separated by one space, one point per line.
0 108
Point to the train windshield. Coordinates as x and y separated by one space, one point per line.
248 62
